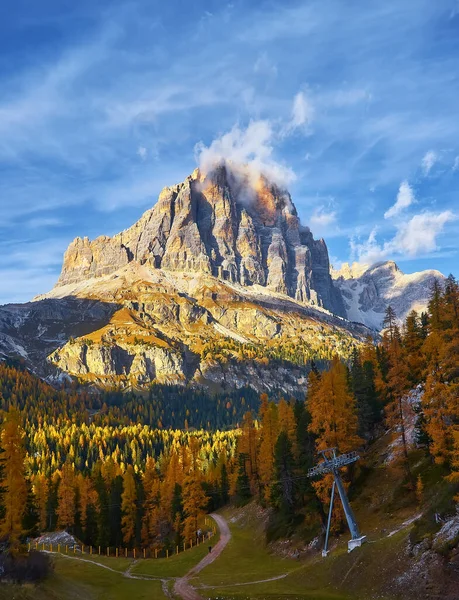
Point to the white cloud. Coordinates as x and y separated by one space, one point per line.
322 218
142 152
414 237
302 114
456 164
251 148
428 161
405 198
420 233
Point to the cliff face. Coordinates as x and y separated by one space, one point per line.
219 226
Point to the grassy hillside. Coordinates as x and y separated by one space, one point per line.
75 580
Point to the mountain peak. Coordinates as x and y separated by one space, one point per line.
230 223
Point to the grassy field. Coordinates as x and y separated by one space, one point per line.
76 580
175 566
312 578
246 557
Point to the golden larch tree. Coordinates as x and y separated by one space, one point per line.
66 497
40 491
13 479
129 506
194 504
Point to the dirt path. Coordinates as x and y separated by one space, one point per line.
182 586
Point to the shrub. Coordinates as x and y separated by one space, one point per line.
27 568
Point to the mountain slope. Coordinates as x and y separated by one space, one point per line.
368 291
217 284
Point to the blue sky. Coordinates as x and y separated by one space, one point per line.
104 103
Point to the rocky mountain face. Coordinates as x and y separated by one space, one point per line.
220 226
368 290
218 284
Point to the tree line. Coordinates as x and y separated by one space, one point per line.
110 475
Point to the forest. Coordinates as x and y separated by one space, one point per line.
140 471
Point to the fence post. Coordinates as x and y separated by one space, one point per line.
90 550
99 550
184 546
116 552
134 553
108 551
144 552
167 553
74 549
156 552
177 549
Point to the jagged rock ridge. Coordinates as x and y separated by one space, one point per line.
218 226
368 290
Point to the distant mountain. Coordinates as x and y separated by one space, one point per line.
368 290
217 284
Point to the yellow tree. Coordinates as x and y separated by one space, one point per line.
13 479
398 407
66 497
40 491
194 504
333 410
128 506
87 496
334 420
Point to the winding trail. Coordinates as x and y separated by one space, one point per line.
182 586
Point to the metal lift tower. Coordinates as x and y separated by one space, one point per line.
331 464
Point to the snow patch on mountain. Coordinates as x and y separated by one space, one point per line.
368 291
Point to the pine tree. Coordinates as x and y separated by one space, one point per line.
283 489
13 479
269 433
390 322
248 446
435 307
224 485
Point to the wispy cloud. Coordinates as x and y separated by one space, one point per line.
405 198
428 161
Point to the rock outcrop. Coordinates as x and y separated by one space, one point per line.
218 226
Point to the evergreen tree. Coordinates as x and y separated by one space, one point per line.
283 489
390 322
